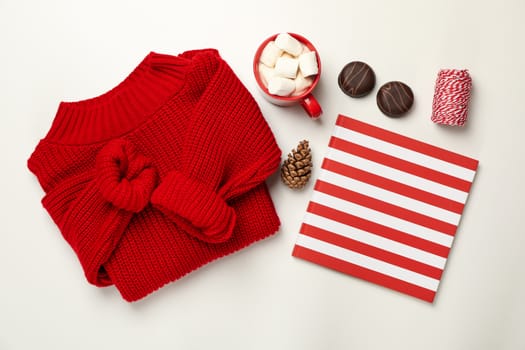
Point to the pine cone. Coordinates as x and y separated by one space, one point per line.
297 169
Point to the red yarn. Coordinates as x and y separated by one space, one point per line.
451 97
158 176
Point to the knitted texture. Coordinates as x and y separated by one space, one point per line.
157 177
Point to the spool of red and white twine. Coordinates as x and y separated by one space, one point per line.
451 97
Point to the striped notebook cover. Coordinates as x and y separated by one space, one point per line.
385 208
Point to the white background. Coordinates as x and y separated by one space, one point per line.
262 297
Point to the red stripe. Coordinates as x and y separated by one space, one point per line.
392 186
377 229
385 207
363 273
407 142
400 164
371 251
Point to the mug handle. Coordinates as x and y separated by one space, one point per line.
311 106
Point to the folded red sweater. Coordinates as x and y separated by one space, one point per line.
160 175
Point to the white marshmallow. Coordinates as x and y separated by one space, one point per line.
281 86
302 83
270 54
308 64
289 44
286 67
265 73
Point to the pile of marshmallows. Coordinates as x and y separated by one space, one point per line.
287 66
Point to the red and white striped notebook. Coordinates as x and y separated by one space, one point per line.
385 208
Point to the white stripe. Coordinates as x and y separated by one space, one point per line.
383 219
375 240
368 262
390 197
397 175
405 153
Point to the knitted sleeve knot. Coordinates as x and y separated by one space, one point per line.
125 177
195 207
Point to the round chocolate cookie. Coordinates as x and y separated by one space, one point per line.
356 79
394 98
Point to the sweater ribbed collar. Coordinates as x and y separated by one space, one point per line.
123 108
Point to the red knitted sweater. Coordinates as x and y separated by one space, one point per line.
160 175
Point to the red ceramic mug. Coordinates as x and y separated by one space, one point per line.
306 99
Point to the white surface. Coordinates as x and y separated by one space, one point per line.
261 297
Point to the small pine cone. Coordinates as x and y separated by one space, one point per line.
297 168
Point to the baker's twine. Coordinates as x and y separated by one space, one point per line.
451 97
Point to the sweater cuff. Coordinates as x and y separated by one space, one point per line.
195 208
